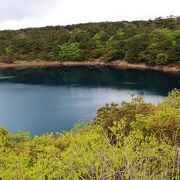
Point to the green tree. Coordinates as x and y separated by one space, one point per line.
115 47
151 53
135 46
9 51
161 46
161 58
70 51
100 39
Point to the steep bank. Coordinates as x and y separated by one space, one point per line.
118 64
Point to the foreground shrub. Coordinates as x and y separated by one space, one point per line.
127 111
135 140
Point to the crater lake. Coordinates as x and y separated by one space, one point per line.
44 100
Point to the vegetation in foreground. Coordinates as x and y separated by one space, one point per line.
134 140
154 42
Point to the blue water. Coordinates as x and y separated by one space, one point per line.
41 100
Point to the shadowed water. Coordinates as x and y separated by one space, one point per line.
43 100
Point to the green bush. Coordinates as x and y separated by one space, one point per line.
127 111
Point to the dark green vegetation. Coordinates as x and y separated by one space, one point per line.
134 140
155 42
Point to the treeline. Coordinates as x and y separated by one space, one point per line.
134 140
154 42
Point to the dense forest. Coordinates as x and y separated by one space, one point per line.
154 42
133 140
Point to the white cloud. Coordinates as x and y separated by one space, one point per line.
80 11
21 9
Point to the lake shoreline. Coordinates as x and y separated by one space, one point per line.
117 64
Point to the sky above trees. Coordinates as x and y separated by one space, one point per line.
15 14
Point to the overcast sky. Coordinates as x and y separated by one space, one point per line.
16 14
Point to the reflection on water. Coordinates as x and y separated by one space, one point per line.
42 100
6 77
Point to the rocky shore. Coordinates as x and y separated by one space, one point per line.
117 64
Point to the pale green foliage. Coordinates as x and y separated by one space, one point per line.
8 57
172 101
9 50
70 51
89 155
99 39
114 47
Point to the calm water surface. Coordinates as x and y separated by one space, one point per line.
41 100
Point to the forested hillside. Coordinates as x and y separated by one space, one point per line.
154 42
134 140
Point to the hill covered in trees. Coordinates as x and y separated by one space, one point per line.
134 140
154 42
